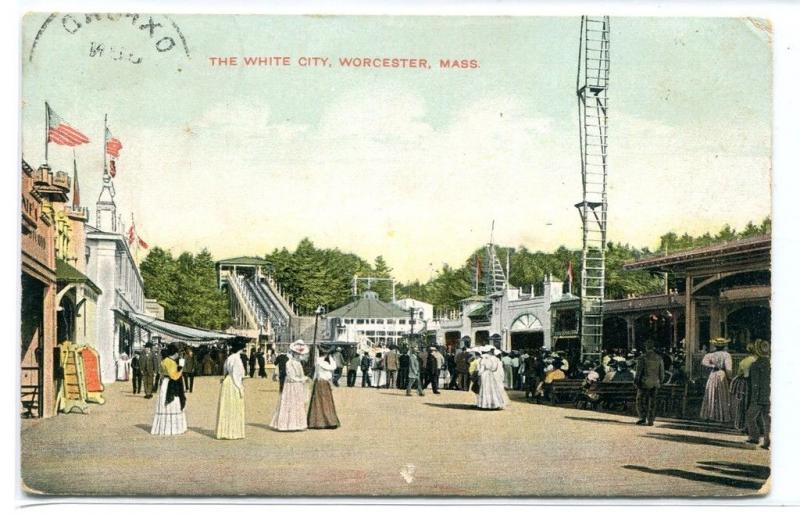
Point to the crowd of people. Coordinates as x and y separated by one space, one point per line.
741 400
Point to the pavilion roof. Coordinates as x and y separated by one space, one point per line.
369 306
755 248
244 260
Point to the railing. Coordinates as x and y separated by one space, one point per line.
250 302
265 298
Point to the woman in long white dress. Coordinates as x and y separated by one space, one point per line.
230 410
290 414
490 371
170 418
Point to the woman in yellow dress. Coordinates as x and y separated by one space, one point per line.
170 418
230 410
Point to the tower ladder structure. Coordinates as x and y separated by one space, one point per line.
592 89
495 275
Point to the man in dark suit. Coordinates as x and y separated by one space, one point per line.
149 370
136 372
251 361
402 376
262 363
366 364
760 391
649 378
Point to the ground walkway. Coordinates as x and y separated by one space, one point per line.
389 445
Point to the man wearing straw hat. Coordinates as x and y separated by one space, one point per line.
759 395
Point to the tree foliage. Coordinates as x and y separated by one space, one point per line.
186 287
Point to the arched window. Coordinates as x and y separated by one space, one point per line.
527 322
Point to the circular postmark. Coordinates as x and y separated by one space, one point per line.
154 34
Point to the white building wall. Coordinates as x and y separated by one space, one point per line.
102 270
506 308
112 268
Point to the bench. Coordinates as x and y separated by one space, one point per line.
563 391
612 395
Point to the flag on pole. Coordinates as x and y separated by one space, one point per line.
133 237
61 133
570 274
113 145
112 169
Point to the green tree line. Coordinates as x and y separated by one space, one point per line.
312 276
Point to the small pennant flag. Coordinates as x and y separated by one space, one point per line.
131 235
570 275
112 169
61 133
143 244
113 145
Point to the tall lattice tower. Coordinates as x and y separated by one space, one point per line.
495 276
592 87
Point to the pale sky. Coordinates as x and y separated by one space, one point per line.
410 164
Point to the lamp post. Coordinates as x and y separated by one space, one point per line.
411 332
318 313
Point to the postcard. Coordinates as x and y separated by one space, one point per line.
400 256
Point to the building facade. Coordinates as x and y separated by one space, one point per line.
111 266
521 320
38 293
369 318
718 290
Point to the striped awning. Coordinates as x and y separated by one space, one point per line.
172 331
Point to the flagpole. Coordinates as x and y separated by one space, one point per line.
105 142
74 177
46 129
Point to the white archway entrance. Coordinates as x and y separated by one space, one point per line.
527 333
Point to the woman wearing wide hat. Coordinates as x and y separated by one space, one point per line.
230 410
321 408
170 418
290 414
717 399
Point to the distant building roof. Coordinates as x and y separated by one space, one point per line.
566 299
369 306
476 298
481 312
243 260
69 274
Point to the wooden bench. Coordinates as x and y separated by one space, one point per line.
612 395
563 391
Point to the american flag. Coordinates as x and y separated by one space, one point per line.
113 145
61 133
